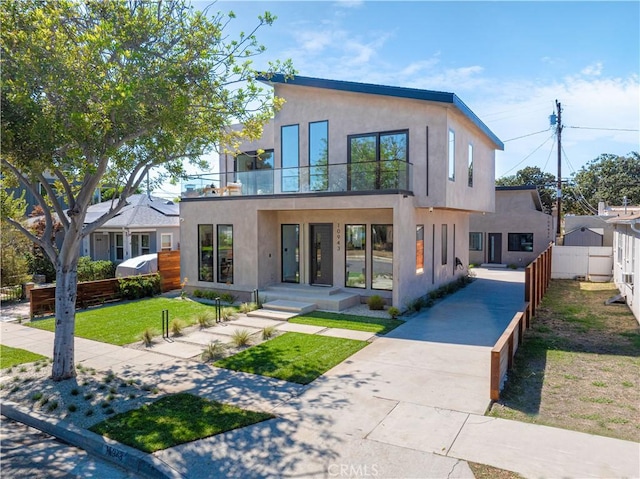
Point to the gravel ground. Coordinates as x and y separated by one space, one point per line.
84 401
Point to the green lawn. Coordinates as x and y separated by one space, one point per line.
348 321
174 420
295 357
13 356
123 323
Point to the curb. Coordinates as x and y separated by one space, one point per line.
126 457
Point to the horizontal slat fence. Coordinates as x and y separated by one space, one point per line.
43 300
537 278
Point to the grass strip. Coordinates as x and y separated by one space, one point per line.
10 357
174 420
294 357
123 323
348 321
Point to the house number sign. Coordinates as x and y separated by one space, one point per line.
337 236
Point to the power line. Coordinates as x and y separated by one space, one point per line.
604 129
525 136
549 157
526 157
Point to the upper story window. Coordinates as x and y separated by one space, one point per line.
470 168
452 155
378 161
290 149
254 171
319 155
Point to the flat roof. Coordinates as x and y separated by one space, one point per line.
394 91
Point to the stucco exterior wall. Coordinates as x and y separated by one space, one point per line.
515 213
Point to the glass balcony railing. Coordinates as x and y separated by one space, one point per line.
334 178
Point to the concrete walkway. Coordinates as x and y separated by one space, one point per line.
408 405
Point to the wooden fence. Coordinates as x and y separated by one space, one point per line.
537 278
43 300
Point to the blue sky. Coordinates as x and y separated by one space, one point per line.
508 61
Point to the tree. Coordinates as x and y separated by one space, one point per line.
607 178
13 245
106 92
532 175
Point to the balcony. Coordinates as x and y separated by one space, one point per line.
383 176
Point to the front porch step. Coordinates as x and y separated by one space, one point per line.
325 298
297 307
272 314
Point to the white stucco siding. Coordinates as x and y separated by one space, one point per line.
626 265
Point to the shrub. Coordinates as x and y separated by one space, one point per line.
136 287
36 396
268 332
241 337
148 335
213 351
89 270
393 312
72 408
176 326
204 319
512 266
228 298
248 307
375 303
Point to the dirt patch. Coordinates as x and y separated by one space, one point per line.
482 471
579 367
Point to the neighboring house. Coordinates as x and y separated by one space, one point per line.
626 259
363 189
583 236
516 233
145 225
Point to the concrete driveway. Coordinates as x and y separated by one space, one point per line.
393 409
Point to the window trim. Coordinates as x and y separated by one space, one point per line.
200 263
444 244
170 235
419 249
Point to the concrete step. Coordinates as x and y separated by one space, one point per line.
271 314
302 289
297 307
328 299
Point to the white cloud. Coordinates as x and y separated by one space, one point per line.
594 69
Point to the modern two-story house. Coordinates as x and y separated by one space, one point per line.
356 188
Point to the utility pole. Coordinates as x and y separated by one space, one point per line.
559 187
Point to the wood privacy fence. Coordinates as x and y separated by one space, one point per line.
537 278
43 300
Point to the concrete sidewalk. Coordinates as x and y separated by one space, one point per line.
410 404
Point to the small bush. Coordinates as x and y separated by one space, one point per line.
88 396
53 405
248 307
75 391
72 408
89 270
176 326
393 312
512 266
147 336
136 287
375 303
268 332
89 412
36 396
213 351
241 337
204 319
228 314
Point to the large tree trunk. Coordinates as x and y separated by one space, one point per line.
66 292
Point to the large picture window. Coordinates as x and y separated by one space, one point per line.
475 241
520 242
382 257
290 150
378 161
319 155
205 253
140 244
225 254
355 260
